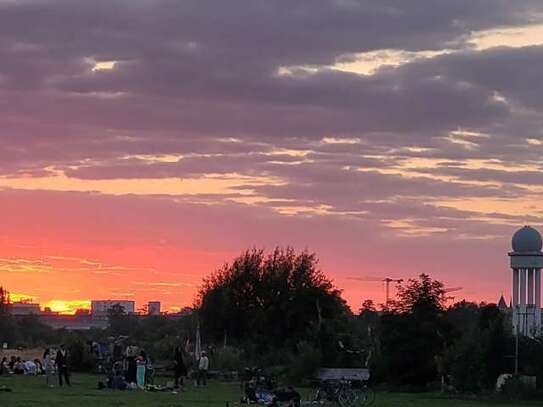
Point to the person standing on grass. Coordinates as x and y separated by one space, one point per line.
203 367
140 372
62 365
131 365
141 363
180 368
49 367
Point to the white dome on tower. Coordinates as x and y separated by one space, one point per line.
527 240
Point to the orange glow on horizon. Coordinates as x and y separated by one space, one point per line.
67 307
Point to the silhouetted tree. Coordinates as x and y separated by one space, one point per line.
33 332
273 300
481 349
495 340
8 327
464 317
423 297
4 301
413 334
367 306
366 325
120 323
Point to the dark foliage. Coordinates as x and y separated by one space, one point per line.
481 351
4 301
269 302
413 333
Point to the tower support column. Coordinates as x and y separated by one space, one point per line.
522 291
531 286
515 287
523 323
515 305
538 300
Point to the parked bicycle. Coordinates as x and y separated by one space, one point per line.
344 393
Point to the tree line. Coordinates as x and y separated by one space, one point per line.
280 310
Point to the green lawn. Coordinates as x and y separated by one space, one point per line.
31 391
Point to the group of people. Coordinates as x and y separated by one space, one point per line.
271 397
47 366
16 365
181 372
133 370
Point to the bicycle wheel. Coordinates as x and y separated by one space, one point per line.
347 398
317 399
365 397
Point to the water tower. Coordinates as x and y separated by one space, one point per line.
526 262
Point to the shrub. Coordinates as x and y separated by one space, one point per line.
516 388
305 363
80 359
228 358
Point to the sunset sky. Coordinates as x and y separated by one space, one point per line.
146 142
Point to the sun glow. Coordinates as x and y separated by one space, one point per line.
67 307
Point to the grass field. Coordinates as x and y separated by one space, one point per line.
31 391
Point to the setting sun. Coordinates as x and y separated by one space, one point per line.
67 307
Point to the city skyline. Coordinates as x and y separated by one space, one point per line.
147 143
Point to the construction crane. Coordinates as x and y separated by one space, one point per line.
387 282
452 290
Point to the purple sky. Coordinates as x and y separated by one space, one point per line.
160 138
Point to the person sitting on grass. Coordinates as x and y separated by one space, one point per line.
116 380
250 392
39 367
11 364
30 368
19 367
4 367
288 395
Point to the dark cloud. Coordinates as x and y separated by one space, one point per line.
260 32
511 72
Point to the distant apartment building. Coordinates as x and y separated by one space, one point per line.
24 308
153 308
101 308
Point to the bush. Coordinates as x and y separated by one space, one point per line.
228 358
305 363
161 350
515 388
80 359
466 363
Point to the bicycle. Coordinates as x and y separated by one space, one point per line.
343 393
